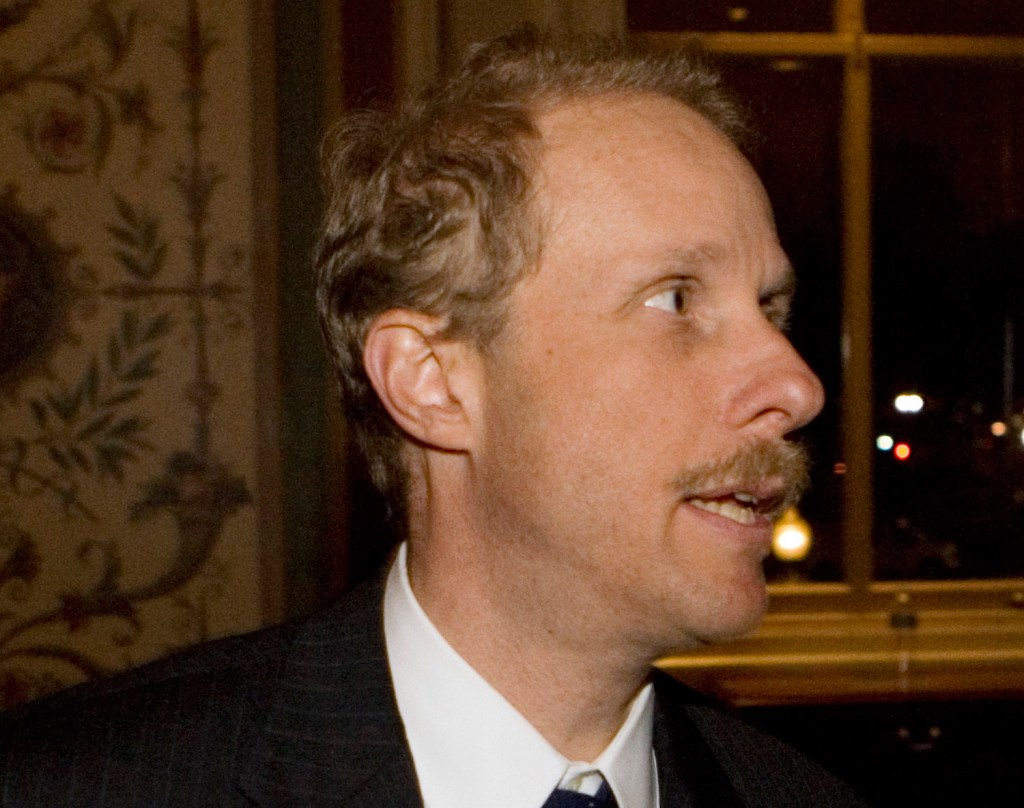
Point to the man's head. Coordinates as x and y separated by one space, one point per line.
431 207
563 284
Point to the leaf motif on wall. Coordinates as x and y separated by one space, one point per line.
139 247
87 427
157 270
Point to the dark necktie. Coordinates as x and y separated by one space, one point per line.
561 798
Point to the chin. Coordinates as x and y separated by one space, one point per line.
737 630
728 623
739 616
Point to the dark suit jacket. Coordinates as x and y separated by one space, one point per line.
305 715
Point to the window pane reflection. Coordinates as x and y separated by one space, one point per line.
740 15
795 107
948 281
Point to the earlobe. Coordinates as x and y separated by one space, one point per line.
415 374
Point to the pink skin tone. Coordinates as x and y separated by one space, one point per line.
646 345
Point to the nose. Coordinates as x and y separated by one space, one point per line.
776 392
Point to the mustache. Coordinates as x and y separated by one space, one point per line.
753 468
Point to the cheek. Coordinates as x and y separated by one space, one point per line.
562 429
613 409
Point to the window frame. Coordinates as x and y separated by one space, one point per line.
864 639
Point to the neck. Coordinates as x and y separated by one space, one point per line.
570 680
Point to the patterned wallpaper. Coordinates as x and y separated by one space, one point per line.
128 396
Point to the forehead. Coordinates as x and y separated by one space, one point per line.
632 169
618 124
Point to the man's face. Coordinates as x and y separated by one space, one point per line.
641 363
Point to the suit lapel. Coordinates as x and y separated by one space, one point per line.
333 736
689 775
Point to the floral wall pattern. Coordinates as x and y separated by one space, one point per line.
128 395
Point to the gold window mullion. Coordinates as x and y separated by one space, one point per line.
857 395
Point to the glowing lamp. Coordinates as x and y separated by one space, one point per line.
998 429
901 450
908 403
791 539
884 442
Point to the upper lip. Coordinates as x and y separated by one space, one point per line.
764 497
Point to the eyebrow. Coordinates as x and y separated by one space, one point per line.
695 257
784 286
709 253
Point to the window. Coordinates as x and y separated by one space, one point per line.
894 154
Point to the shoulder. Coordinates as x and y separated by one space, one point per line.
187 713
763 770
212 666
183 727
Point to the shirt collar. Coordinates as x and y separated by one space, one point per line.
467 740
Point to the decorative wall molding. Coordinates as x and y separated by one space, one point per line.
128 395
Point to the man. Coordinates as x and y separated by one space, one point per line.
555 300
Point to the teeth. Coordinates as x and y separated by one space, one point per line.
745 498
727 508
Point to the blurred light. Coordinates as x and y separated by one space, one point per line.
791 539
884 442
902 451
839 468
999 429
1022 437
909 402
737 13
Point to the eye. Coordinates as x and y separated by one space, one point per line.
776 310
671 300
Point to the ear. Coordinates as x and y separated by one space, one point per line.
424 380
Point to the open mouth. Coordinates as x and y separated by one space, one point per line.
742 507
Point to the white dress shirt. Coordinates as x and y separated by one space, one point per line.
471 747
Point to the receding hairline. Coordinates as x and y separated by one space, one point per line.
557 123
546 115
